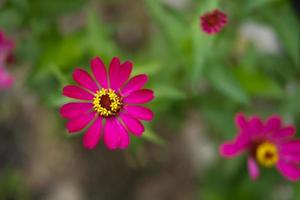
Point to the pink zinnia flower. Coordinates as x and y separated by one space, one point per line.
6 80
267 144
213 22
108 104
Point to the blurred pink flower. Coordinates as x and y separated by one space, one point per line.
6 80
213 22
267 144
6 48
107 97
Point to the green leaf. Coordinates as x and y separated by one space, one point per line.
254 4
168 92
288 30
170 25
55 100
153 137
147 68
58 7
256 83
61 54
21 5
224 81
10 19
98 37
297 190
291 105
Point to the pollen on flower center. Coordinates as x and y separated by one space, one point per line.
106 102
267 154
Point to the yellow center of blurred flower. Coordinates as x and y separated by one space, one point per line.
267 154
106 102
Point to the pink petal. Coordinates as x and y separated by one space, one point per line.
229 149
85 80
234 148
99 71
114 68
241 121
287 131
71 110
290 171
139 112
77 124
272 124
134 84
291 146
111 134
253 168
123 74
77 93
291 158
124 137
140 96
295 158
133 125
92 136
255 127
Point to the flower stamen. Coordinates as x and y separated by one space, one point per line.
106 102
267 154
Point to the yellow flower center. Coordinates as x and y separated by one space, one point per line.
106 102
266 154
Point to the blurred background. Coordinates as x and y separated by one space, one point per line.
200 82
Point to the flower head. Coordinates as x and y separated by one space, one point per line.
213 22
108 104
267 144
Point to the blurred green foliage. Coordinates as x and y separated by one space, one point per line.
12 186
189 70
